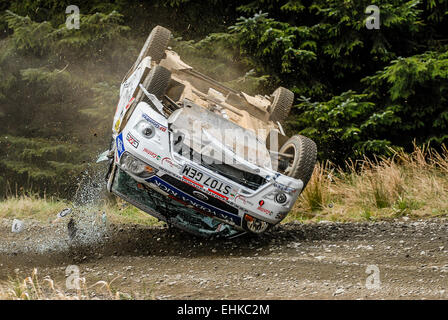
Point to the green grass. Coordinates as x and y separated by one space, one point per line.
34 287
413 185
45 210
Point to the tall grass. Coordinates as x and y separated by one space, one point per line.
414 185
24 206
34 288
315 195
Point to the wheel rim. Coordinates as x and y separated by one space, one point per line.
290 149
257 226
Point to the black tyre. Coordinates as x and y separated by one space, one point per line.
155 45
304 152
281 104
157 81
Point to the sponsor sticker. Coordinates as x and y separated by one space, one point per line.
154 122
264 210
260 208
284 188
170 162
117 125
129 103
241 199
202 206
120 145
132 140
200 195
152 154
203 181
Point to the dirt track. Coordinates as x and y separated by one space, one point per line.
293 261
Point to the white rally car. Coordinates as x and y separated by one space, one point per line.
200 156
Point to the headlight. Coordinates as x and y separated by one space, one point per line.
146 129
281 198
136 166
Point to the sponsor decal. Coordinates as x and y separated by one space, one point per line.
126 84
219 195
154 122
264 210
191 182
169 172
285 188
200 195
117 124
133 141
170 162
197 204
152 154
243 200
260 208
120 145
129 103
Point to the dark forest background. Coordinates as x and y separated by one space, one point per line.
359 92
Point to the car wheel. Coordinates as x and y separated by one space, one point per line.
155 45
255 226
157 81
303 154
281 104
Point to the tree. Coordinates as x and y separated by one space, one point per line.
54 116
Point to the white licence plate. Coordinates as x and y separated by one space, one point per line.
204 181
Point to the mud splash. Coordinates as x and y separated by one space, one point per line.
84 226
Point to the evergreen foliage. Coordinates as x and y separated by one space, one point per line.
358 91
54 102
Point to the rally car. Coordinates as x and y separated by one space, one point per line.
203 157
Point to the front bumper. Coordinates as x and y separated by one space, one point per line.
168 209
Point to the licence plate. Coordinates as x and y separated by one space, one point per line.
203 181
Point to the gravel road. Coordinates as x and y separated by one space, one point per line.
383 260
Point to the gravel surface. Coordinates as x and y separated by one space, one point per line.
384 260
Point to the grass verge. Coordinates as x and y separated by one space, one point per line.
45 210
34 287
413 185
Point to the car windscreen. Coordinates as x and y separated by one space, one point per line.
219 139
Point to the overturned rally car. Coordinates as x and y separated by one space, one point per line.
200 156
